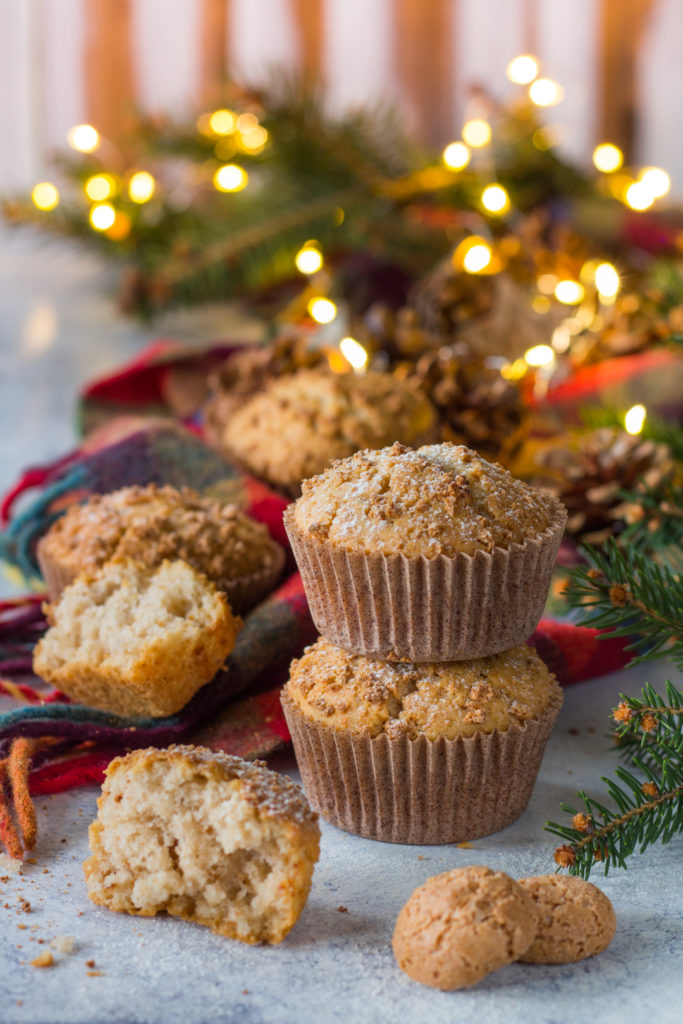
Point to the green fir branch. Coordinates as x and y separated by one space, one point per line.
659 526
629 594
647 808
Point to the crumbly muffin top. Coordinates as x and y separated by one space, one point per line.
153 523
274 794
300 423
450 699
442 499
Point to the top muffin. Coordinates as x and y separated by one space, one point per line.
300 423
152 523
442 499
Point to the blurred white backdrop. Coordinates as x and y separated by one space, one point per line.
43 76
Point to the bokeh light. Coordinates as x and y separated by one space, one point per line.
45 195
84 138
523 69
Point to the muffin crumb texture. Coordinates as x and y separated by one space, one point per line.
206 837
448 699
439 500
300 423
461 925
135 640
575 919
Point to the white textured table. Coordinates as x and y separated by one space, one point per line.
56 331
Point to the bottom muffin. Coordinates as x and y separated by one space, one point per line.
432 753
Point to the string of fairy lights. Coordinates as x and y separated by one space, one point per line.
232 133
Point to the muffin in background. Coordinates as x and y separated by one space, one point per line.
427 555
301 423
153 523
429 753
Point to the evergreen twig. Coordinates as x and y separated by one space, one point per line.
631 595
648 809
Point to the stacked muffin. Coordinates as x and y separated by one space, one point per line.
421 716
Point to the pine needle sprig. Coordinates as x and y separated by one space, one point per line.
659 526
647 809
631 595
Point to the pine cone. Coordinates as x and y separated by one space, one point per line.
589 477
477 406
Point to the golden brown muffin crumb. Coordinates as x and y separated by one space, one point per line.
301 423
451 699
575 919
135 640
439 500
204 836
461 925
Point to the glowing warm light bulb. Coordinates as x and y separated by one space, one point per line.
539 355
545 93
308 260
102 216
456 155
247 123
656 180
606 280
477 132
255 140
84 138
547 283
45 196
495 199
607 158
141 187
222 122
522 70
99 187
354 353
638 196
230 178
634 420
569 292
322 310
477 258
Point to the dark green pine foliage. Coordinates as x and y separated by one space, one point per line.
647 807
630 593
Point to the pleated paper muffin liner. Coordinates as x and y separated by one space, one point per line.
394 607
419 791
243 592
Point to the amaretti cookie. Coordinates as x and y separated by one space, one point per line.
203 836
419 753
427 555
299 424
575 919
136 640
154 523
461 925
